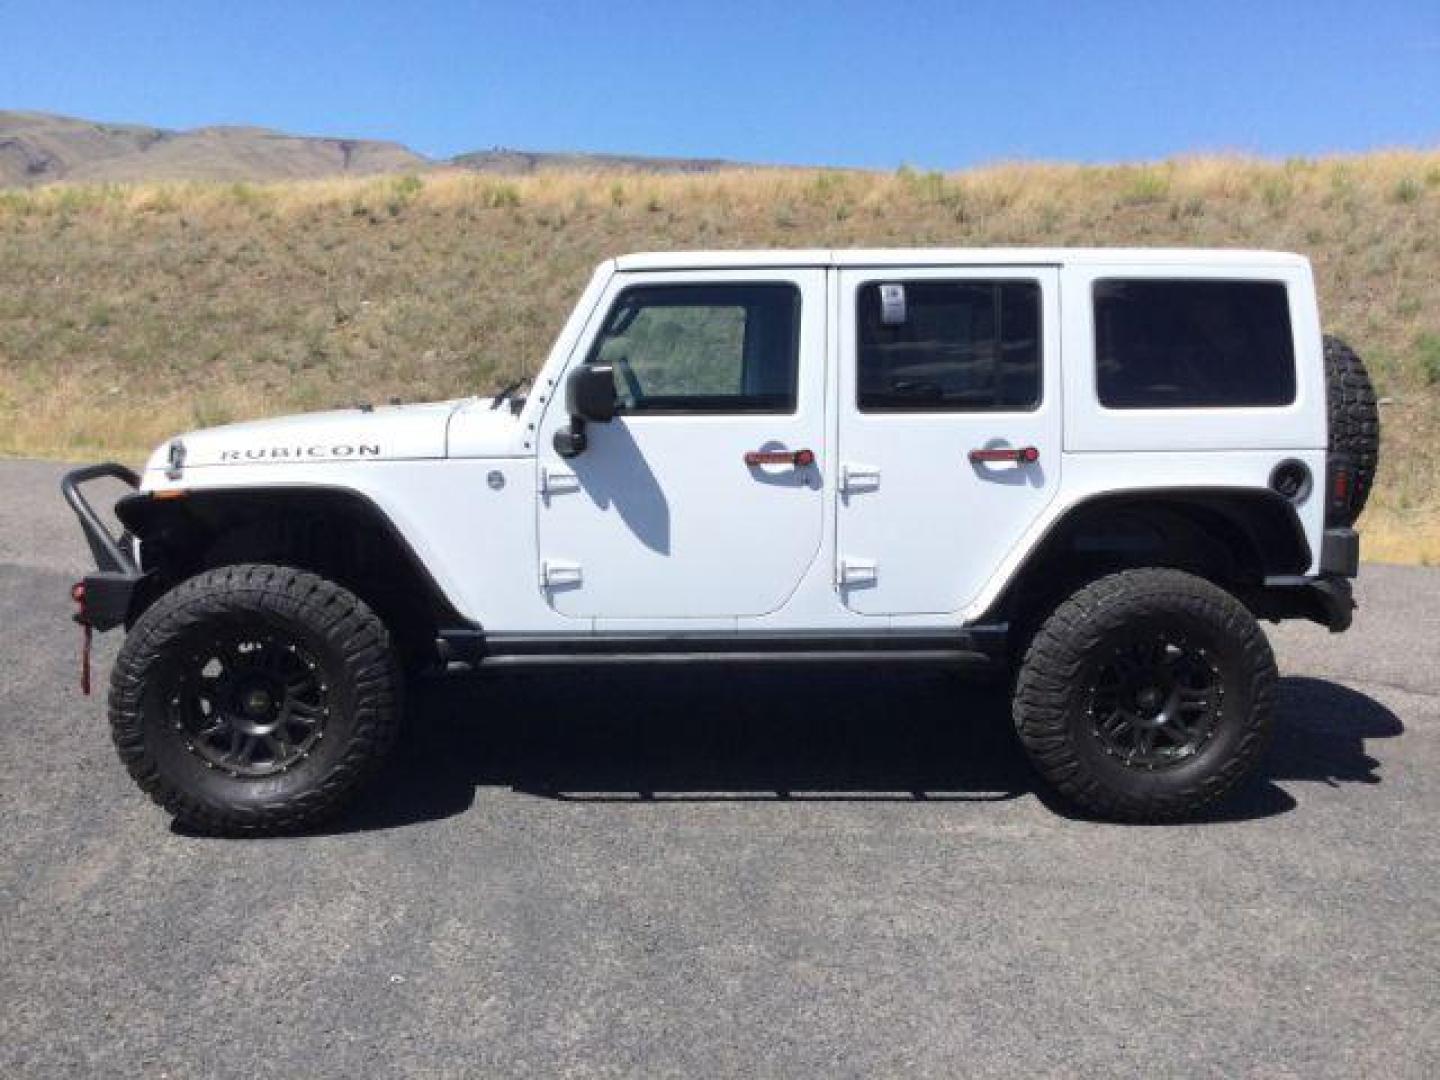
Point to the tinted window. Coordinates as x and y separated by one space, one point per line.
949 346
704 348
1193 344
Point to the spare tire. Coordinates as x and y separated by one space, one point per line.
1354 424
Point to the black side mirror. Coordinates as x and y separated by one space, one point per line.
590 393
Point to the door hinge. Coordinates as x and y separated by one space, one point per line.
857 572
555 574
555 481
855 477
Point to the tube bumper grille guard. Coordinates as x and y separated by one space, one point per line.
104 596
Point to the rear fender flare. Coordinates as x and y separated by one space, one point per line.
1260 528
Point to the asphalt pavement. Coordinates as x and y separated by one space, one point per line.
805 872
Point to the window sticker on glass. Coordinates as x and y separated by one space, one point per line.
892 305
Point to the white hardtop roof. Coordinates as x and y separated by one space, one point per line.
740 260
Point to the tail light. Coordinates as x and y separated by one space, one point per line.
1341 483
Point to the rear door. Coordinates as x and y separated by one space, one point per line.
949 429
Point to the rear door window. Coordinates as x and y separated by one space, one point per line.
949 346
1169 344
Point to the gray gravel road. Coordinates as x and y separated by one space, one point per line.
737 873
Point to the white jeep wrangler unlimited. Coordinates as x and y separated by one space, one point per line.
1097 468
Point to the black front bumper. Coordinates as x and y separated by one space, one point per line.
1328 598
105 597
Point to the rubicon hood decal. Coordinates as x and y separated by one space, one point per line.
314 450
397 433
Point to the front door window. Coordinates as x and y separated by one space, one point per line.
703 348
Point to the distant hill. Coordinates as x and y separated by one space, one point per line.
523 163
37 148
40 148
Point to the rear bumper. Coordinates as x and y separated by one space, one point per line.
1328 601
1340 553
1329 597
105 597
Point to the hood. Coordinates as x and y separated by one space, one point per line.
388 433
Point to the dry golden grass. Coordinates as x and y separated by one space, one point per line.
130 312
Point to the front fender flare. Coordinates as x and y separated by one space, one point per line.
176 532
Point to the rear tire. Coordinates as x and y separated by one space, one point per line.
1146 696
254 699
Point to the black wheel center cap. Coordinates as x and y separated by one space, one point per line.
256 707
257 701
1150 698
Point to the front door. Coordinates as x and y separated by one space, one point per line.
667 513
949 443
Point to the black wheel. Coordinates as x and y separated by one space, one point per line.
1146 695
1354 422
254 699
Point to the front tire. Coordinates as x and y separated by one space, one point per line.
254 699
1146 696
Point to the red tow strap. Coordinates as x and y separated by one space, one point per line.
88 633
77 593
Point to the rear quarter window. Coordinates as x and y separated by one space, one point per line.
1177 344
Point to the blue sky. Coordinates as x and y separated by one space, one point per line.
935 84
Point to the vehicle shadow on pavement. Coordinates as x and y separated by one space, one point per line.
643 736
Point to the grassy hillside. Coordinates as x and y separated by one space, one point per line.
128 313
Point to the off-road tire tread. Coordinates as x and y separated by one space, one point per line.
1354 420
1053 666
334 612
